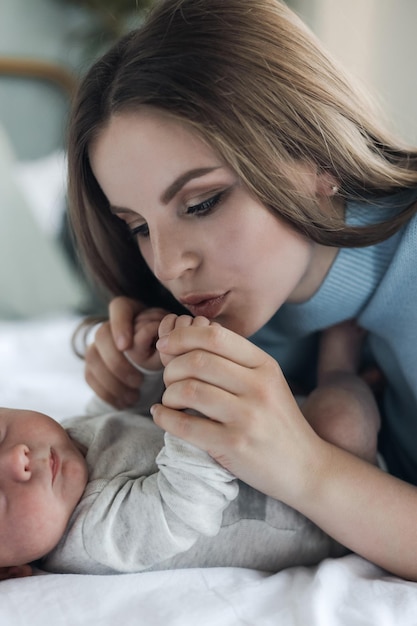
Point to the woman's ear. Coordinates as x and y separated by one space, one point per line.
15 571
326 185
310 179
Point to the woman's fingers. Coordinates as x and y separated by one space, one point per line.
104 355
196 429
143 351
106 385
211 338
200 397
250 419
131 329
112 391
108 372
106 366
209 368
214 371
249 435
122 312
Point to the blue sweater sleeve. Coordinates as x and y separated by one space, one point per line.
391 318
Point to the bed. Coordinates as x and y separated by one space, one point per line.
38 370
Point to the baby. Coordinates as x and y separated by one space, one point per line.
111 492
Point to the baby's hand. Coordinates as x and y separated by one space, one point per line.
172 321
145 336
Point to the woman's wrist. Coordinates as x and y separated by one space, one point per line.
306 478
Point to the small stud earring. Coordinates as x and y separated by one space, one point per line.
334 190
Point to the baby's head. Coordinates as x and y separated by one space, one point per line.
43 474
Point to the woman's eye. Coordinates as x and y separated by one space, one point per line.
205 207
200 209
140 231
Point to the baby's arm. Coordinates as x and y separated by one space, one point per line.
138 522
342 409
195 490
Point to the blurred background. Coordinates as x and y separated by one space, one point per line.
375 39
45 45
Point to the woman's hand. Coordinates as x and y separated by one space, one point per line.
145 335
107 370
256 429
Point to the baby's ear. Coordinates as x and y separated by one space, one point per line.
15 571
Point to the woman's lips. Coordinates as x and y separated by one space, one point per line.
207 306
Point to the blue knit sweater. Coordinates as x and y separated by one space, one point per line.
377 285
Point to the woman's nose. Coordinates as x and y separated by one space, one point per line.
172 256
14 463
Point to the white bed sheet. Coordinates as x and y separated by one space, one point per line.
39 371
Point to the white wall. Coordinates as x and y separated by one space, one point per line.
375 39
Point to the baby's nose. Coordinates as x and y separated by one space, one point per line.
15 463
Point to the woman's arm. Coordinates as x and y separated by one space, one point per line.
257 432
369 511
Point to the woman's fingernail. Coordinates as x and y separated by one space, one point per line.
122 342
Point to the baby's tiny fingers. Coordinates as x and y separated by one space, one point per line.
167 324
201 321
183 321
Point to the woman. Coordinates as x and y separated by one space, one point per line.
222 164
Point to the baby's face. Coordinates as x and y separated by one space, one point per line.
42 477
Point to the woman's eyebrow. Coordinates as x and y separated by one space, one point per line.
182 180
118 210
173 188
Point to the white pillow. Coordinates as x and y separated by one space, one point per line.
35 276
43 182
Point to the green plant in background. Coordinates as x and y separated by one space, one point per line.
104 21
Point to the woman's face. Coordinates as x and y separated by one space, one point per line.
210 242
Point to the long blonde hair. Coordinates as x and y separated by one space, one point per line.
255 83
